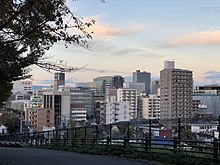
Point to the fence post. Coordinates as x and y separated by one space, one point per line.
125 142
175 145
146 143
128 130
215 150
108 141
110 130
97 132
219 128
85 136
179 129
150 133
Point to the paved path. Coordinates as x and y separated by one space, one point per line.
31 156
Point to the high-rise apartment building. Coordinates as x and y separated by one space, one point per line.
143 77
129 95
117 111
176 86
150 107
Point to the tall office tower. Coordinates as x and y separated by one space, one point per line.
143 77
59 79
176 86
102 85
118 81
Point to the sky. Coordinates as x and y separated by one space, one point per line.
142 34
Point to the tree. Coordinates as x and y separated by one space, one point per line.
28 28
11 119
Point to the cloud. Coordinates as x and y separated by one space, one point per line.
104 71
101 29
212 76
211 8
197 38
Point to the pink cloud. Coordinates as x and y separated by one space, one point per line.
103 30
201 38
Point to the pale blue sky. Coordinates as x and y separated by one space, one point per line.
142 34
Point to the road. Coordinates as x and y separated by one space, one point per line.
32 156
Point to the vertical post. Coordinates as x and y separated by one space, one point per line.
85 129
179 129
128 131
218 128
97 132
215 150
150 133
174 145
146 143
110 131
67 135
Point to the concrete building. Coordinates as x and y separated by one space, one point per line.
117 111
204 127
59 101
212 90
208 103
176 86
135 85
99 108
83 96
128 95
23 87
143 77
78 114
155 87
39 118
117 81
150 107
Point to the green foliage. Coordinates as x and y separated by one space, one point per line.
179 157
10 119
188 135
28 28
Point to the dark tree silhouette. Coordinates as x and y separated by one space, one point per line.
28 28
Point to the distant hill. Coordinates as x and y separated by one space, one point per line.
39 87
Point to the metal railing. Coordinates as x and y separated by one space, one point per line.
94 136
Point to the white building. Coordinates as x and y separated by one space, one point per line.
78 114
22 87
128 95
59 101
204 127
151 107
117 111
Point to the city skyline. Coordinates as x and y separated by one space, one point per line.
142 35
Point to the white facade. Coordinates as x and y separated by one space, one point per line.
20 105
169 64
151 107
78 114
117 111
205 128
129 95
22 86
